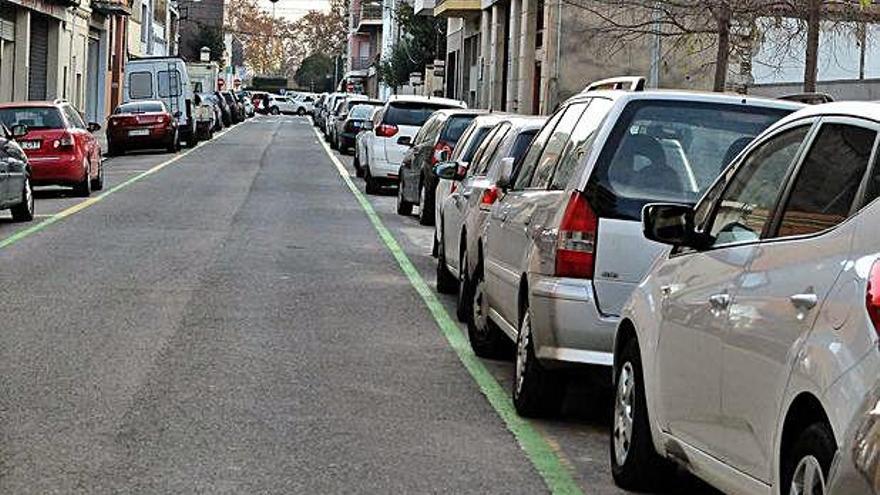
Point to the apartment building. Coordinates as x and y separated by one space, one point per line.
364 47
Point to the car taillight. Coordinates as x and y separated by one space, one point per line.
440 149
489 197
576 242
386 130
872 297
65 141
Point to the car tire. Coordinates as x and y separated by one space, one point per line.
371 186
462 308
426 206
487 340
446 283
274 111
98 182
635 464
537 391
356 163
404 207
83 189
809 458
174 145
300 111
24 211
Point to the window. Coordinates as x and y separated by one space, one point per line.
410 113
747 204
73 117
169 83
141 107
33 117
555 145
521 144
482 168
455 127
483 148
474 142
145 24
140 85
525 168
828 180
581 141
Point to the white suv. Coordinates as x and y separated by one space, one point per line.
752 342
394 126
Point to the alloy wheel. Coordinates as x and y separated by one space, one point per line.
522 352
808 478
29 195
422 201
623 413
480 306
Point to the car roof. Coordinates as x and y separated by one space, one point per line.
426 99
32 104
451 112
696 96
868 110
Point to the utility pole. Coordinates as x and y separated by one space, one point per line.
654 77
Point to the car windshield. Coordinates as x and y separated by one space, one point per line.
455 127
410 113
33 117
141 107
671 151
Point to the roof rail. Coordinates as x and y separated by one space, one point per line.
59 101
809 98
626 83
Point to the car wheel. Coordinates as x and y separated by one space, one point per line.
274 111
537 391
487 340
805 468
174 145
446 283
98 182
371 186
404 207
84 188
426 206
358 170
462 310
635 464
24 211
300 111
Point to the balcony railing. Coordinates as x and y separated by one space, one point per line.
361 63
366 14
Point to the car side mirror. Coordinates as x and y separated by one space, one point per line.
450 171
506 170
669 223
404 141
19 131
94 127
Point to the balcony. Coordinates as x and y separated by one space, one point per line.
112 7
457 8
362 63
368 18
424 7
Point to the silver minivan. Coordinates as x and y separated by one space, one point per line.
564 246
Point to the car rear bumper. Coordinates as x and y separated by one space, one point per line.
382 169
567 324
157 138
57 169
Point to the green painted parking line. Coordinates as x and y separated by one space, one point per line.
539 451
82 205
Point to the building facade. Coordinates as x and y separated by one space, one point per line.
364 47
197 18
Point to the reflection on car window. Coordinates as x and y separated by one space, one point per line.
581 140
525 169
33 117
828 180
747 204
482 167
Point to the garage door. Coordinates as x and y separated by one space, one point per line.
39 58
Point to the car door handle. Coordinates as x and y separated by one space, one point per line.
804 302
719 301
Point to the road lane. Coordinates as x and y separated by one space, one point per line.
233 324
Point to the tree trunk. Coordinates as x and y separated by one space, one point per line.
811 66
722 59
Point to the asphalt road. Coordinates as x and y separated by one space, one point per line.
227 320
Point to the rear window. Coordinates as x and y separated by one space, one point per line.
34 118
455 127
670 151
361 112
149 106
410 113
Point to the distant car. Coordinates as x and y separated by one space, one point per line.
224 109
214 101
258 98
327 108
60 146
249 109
360 142
393 128
142 125
354 123
16 191
305 104
205 115
435 142
337 121
236 110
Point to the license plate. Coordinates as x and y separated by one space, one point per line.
139 132
30 145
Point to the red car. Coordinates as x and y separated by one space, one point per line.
59 145
142 125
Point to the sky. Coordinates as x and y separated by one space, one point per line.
294 9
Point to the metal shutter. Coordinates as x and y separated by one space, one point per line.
7 23
39 58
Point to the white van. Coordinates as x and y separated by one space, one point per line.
165 79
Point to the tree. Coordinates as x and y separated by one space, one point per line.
422 40
268 42
325 32
313 71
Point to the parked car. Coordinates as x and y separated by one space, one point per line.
341 113
236 110
360 142
465 212
434 143
751 344
563 246
355 123
214 101
258 98
165 79
856 466
327 109
249 109
60 146
305 104
394 126
205 116
225 109
16 191
142 125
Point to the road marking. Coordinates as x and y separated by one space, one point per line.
539 451
82 205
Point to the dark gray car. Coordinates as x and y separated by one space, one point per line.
16 193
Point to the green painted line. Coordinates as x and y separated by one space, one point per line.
548 464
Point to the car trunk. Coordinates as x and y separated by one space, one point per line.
40 142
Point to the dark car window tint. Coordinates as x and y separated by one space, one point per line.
581 141
151 106
747 204
140 85
828 180
521 144
555 145
455 127
33 117
473 143
482 167
526 167
410 113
